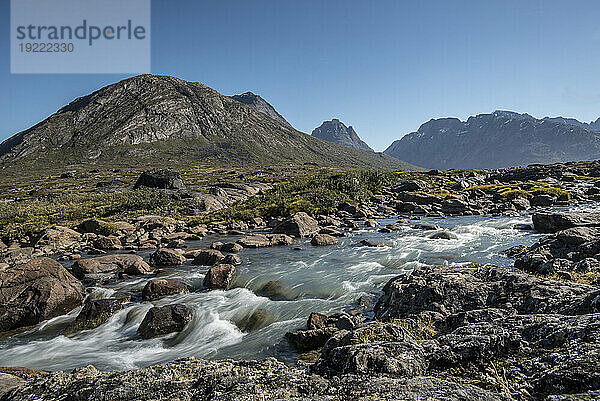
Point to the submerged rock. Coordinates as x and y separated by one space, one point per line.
259 319
36 291
164 320
276 290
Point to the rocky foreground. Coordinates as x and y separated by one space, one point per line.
531 332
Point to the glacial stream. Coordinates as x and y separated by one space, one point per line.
318 279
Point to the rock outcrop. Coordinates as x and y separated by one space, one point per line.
36 291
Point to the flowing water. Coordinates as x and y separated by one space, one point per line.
317 279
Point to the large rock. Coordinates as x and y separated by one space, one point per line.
93 314
108 266
220 277
323 240
36 291
441 291
298 225
208 257
160 178
164 320
166 258
58 238
376 348
261 240
554 222
155 289
268 379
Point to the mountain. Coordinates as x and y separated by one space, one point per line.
261 105
593 126
335 131
160 120
499 139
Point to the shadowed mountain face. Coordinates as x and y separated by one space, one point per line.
261 105
149 120
335 131
500 139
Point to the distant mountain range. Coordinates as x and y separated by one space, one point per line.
336 131
499 139
152 120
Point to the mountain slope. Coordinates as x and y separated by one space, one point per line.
593 126
500 139
336 131
261 105
149 120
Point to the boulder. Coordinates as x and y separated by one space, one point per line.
38 290
208 257
93 314
543 200
110 243
164 320
155 289
411 186
109 266
440 291
100 227
160 178
554 222
220 277
232 259
232 247
374 349
323 240
164 257
261 240
299 225
58 238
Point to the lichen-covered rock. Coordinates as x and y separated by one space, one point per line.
164 320
269 380
58 238
36 291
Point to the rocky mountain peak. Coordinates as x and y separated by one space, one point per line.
337 132
261 105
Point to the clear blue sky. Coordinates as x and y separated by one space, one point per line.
384 67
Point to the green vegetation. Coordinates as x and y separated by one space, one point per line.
523 190
320 194
18 219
